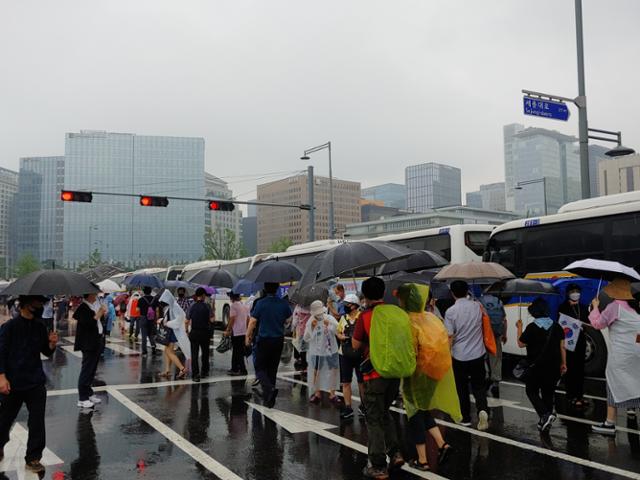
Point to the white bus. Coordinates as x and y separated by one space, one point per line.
605 228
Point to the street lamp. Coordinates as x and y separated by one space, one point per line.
305 156
543 181
619 150
91 229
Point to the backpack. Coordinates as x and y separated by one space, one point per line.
432 339
495 310
391 347
134 308
347 347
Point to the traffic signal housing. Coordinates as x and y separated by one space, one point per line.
73 196
149 201
221 206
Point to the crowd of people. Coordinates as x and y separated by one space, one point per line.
432 357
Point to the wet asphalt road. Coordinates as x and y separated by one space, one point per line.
151 428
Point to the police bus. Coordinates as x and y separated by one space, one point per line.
604 228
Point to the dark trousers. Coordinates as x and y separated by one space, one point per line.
48 322
419 424
134 326
471 372
541 392
574 378
36 400
237 355
199 341
379 394
87 373
268 352
147 328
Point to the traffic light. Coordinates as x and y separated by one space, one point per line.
221 206
71 196
148 201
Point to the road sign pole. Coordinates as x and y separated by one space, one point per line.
583 126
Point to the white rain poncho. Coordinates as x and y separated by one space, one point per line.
323 372
175 318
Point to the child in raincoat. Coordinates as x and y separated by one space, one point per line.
111 315
421 393
322 355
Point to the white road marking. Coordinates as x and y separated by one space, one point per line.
15 451
182 443
114 340
122 349
561 392
522 445
69 349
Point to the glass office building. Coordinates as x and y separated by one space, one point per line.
39 211
392 194
119 227
432 185
8 190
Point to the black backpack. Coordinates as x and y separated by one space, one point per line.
347 348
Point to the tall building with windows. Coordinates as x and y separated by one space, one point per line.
509 132
391 194
8 190
597 154
119 227
489 197
548 158
432 185
216 220
39 211
275 223
619 174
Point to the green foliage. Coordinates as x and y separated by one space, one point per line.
280 245
219 245
27 263
95 259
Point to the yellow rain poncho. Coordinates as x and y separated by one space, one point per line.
419 391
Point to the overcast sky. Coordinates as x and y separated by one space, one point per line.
390 83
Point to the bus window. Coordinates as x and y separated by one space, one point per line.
477 241
504 249
173 274
440 244
304 261
625 247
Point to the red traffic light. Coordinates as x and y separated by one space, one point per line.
71 196
221 206
148 201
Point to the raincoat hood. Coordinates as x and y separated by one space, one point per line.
175 311
413 297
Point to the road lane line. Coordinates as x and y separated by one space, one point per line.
121 349
561 392
69 349
182 443
516 443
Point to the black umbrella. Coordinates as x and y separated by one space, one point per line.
143 280
418 260
273 271
51 282
520 287
305 294
394 280
214 277
349 257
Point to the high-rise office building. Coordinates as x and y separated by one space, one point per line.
275 223
597 154
392 194
548 158
119 227
619 174
473 199
39 211
250 229
509 132
432 185
218 220
8 190
489 197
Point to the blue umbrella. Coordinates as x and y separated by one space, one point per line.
247 288
143 280
179 284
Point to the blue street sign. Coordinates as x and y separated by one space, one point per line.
539 107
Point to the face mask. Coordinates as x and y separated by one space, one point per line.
575 296
37 311
181 295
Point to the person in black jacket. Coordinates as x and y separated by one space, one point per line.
200 320
89 335
22 380
146 321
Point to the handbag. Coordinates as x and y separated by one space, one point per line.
224 345
524 368
162 335
487 333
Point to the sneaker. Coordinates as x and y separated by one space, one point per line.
255 383
271 401
346 413
377 473
483 421
605 428
362 411
95 399
85 404
196 379
34 466
465 422
540 423
396 461
547 421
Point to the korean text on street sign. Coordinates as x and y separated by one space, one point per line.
539 107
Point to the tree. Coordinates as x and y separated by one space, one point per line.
219 245
27 263
280 245
95 259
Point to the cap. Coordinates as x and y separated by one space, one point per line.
352 298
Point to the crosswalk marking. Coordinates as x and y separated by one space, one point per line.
69 349
15 451
122 349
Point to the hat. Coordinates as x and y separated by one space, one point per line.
619 289
352 298
317 308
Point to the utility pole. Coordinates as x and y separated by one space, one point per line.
312 214
581 102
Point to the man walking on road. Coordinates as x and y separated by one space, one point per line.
89 340
200 318
464 324
147 321
22 379
271 313
379 393
495 309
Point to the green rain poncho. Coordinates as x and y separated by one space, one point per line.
419 391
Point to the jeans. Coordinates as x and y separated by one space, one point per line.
540 389
237 356
147 328
134 326
495 362
268 352
36 399
199 341
379 394
472 371
419 424
87 373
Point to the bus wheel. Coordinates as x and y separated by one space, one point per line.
225 316
595 360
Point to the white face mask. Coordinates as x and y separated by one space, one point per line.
575 296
